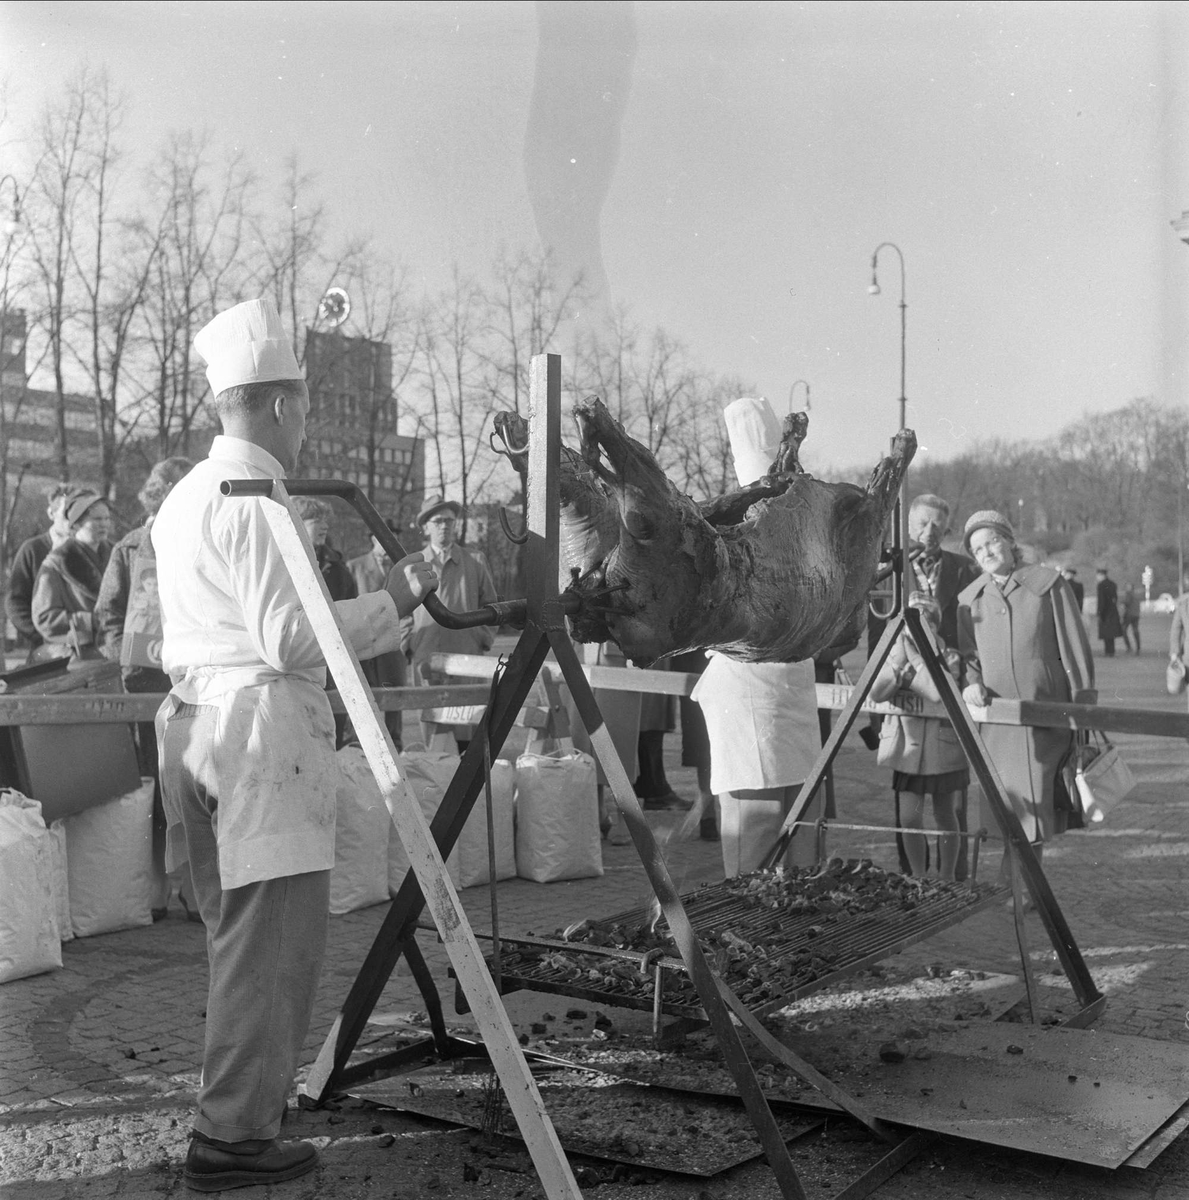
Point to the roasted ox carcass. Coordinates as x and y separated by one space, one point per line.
775 572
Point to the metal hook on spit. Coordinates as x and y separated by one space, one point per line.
518 539
508 450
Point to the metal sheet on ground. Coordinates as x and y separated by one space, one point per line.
1077 1094
598 1117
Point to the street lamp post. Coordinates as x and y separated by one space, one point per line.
793 391
903 574
875 291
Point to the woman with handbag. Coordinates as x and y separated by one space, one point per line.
924 753
1021 637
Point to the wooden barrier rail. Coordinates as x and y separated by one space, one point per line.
83 708
89 707
1108 719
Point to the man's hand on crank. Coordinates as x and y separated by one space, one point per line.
410 581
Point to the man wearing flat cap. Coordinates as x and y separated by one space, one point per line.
464 584
248 771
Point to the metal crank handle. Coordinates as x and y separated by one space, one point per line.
509 611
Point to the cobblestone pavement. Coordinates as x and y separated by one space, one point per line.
99 1061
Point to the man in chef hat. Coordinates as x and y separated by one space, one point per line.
761 717
248 770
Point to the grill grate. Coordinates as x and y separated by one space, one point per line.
769 957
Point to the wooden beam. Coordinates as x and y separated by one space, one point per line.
87 708
1152 721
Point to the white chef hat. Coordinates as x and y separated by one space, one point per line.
246 344
755 437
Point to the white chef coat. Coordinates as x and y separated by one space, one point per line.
236 637
762 722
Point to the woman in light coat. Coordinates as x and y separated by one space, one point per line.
1021 637
924 752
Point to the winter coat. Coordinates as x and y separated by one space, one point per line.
1026 642
64 598
1109 625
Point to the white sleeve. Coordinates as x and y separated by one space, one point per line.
371 623
273 614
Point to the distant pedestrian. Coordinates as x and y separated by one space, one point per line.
69 579
464 584
1109 625
1129 613
1075 585
31 553
390 669
128 631
317 516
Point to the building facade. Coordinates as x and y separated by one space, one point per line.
351 430
31 423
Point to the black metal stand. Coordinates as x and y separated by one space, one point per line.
1022 861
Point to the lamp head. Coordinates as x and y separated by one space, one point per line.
873 290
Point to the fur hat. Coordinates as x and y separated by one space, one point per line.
988 518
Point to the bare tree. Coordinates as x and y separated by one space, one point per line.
56 206
454 386
193 248
527 317
296 265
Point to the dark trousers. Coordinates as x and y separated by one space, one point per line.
265 943
651 780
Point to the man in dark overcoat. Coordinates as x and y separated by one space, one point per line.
1109 625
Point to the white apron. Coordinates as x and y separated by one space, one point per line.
764 736
762 722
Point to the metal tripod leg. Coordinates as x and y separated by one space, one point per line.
846 718
1015 837
679 925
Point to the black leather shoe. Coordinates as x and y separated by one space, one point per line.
666 800
213 1166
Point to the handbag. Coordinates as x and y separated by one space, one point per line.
1174 677
1103 779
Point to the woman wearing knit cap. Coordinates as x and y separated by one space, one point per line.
1021 637
69 579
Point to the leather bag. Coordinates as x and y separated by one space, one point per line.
1103 779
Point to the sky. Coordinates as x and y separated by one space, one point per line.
1026 159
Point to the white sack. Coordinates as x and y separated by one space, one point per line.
428 773
61 881
359 877
109 864
29 941
471 848
557 817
